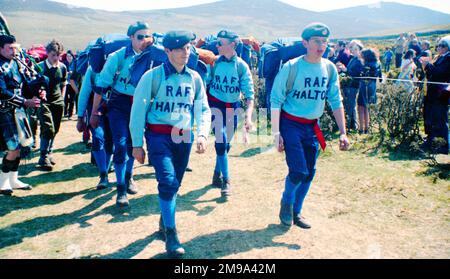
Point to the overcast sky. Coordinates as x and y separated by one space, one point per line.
316 5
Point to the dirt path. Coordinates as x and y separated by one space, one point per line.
359 207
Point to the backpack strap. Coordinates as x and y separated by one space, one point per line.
121 59
293 70
156 80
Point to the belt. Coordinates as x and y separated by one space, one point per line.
314 122
114 91
214 99
166 129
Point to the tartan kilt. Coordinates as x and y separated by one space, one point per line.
9 139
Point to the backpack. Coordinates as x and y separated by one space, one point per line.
244 49
103 47
275 54
154 55
38 53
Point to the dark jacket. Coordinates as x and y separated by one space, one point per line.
439 71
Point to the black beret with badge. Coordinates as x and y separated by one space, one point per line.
315 29
177 39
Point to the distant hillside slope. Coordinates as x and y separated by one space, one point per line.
38 21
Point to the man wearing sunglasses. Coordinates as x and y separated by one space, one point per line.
437 99
116 75
297 102
167 101
229 76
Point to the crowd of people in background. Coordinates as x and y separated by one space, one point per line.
416 65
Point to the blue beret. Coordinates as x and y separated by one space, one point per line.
226 34
177 39
133 28
315 29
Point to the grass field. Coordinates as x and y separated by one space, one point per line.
361 205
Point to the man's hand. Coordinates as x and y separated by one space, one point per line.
425 60
43 94
80 125
33 103
248 124
279 142
201 145
94 120
344 143
139 154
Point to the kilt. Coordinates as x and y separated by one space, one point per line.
9 139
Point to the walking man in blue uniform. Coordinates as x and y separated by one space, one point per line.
168 98
298 101
230 76
102 144
116 74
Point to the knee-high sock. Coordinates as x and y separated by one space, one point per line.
130 164
120 175
100 159
168 211
109 160
289 191
217 168
300 195
223 164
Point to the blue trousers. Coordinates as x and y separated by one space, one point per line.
169 160
224 123
102 136
119 110
302 149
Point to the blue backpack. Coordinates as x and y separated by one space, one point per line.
155 55
243 51
103 47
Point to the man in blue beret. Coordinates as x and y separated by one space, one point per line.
168 99
230 76
116 75
297 102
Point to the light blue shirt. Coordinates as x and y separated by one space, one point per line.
227 85
85 91
181 98
116 71
314 83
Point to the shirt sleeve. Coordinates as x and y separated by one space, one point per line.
65 72
85 92
246 82
141 104
278 93
334 90
202 112
106 76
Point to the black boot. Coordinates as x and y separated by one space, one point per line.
217 180
299 221
122 199
173 246
286 214
225 191
130 184
103 183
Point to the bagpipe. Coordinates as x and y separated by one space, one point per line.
34 81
